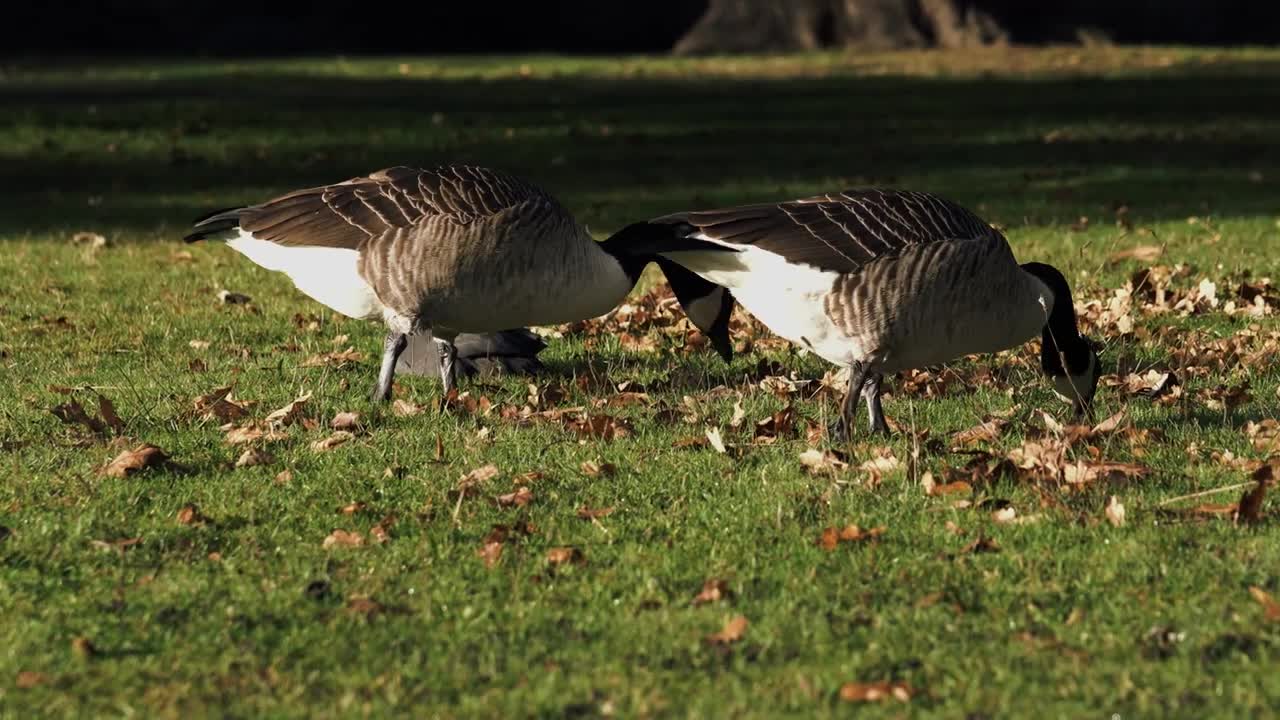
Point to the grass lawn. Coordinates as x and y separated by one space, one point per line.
1013 595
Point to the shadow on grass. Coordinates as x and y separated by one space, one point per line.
136 155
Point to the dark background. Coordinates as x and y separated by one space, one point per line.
233 28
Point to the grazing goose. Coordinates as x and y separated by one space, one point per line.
880 281
450 249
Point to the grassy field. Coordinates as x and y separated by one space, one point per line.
1013 594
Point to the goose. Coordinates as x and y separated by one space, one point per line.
880 281
447 250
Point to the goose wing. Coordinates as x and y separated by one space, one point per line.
346 214
840 232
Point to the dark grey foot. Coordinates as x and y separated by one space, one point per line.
841 431
875 412
394 344
448 366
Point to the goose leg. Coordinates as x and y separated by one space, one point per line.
875 413
448 365
842 429
391 349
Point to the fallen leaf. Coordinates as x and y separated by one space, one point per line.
118 545
132 461
593 469
1250 511
830 536
1110 425
587 513
732 631
819 462
404 408
284 477
337 438
563 555
882 463
1004 516
190 514
491 549
107 410
82 647
876 692
1270 608
987 432
353 508
28 679
199 344
243 435
600 427
364 605
288 414
982 544
381 532
713 437
738 415
477 477
713 590
345 421
334 359
1115 511
253 457
72 413
1141 253
521 497
342 538
226 297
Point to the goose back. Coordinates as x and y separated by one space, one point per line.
893 278
464 248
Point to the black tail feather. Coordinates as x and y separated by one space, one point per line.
214 223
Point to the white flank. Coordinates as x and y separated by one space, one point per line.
327 275
785 296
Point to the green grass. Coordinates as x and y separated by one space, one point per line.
1072 617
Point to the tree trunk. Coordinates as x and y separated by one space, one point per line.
739 26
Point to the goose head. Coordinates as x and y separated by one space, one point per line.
1068 358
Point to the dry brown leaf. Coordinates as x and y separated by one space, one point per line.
590 468
243 435
565 555
334 359
982 544
198 344
343 539
337 438
1115 511
72 413
404 408
1004 515
1111 424
1251 502
28 679
988 431
587 513
738 415
491 549
1264 435
253 457
364 605
118 545
713 590
876 692
132 461
107 410
288 414
600 427
345 421
474 479
83 648
284 477
380 532
883 462
831 536
1141 253
733 630
1270 608
819 462
521 497
353 508
190 514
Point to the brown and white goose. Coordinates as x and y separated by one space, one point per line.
880 281
452 249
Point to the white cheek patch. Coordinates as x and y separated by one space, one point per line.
1076 387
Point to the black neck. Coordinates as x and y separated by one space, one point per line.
1061 337
631 245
